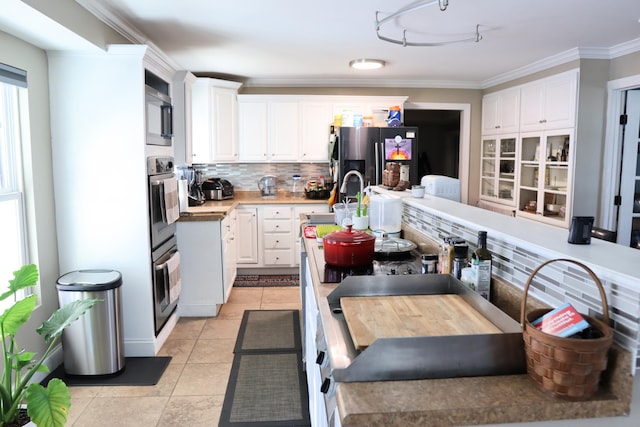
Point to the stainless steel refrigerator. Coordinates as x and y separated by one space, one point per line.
368 149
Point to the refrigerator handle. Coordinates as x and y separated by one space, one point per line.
377 149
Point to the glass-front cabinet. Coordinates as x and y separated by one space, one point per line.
544 176
498 169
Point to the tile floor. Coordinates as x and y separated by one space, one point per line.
191 390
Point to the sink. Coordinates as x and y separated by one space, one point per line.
320 218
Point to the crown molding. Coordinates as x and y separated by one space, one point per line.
378 82
632 46
123 27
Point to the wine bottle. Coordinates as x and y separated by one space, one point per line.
481 266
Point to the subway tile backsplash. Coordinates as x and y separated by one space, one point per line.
245 176
555 284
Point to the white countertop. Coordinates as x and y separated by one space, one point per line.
600 255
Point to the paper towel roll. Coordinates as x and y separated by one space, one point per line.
183 195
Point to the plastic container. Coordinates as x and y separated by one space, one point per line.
93 344
385 214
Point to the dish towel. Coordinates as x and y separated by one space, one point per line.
175 283
171 206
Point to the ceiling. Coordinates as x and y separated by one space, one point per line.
294 42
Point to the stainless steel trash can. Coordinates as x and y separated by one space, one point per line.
93 344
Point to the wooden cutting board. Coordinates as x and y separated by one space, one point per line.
370 318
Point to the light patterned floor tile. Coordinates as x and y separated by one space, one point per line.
188 328
164 387
178 349
203 379
122 412
192 411
235 311
220 328
245 296
212 351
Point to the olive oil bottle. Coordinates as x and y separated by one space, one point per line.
481 266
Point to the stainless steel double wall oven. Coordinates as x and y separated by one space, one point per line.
163 239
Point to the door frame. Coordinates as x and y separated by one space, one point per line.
612 155
465 138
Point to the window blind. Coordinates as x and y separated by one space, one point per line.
12 75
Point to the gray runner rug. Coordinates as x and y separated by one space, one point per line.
267 386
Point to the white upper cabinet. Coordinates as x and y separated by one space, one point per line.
315 120
549 103
253 130
215 121
295 128
182 118
284 131
501 112
268 129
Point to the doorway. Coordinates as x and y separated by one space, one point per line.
438 140
417 113
621 161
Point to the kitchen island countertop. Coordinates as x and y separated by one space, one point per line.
472 400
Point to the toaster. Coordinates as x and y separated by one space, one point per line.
217 189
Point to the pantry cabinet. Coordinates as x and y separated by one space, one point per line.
498 169
549 103
545 173
215 121
501 112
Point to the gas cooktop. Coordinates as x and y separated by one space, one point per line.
409 263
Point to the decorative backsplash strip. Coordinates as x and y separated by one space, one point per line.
555 284
245 176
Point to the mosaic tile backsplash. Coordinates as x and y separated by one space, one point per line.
245 176
555 284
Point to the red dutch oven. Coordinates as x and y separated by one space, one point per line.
348 248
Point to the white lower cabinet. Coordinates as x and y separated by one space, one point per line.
247 236
207 265
277 236
269 235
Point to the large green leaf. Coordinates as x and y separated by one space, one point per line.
48 407
63 317
16 315
26 276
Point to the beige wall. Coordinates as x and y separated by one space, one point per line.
625 66
38 177
71 15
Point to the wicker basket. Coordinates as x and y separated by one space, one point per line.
567 368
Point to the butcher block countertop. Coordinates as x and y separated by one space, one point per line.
370 318
215 210
470 400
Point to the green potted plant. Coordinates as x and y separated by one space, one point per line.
46 406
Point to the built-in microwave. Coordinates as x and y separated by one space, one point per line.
159 115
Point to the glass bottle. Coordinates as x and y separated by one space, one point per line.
481 266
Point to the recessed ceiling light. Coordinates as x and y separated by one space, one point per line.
366 64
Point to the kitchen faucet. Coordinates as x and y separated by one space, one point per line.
343 188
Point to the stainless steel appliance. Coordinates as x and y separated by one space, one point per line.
159 111
217 189
368 149
164 251
267 186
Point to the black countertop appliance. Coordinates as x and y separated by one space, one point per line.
217 189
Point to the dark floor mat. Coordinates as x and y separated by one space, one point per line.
138 371
266 280
269 330
267 387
